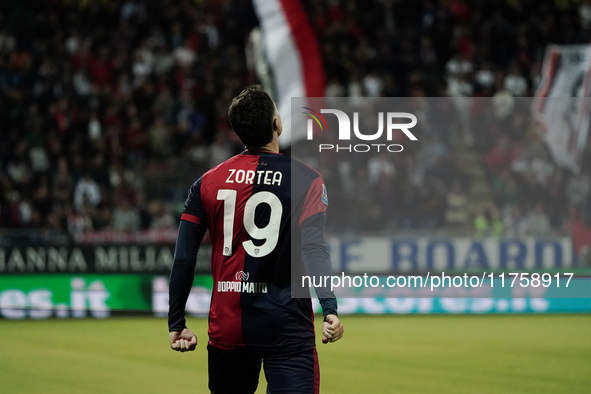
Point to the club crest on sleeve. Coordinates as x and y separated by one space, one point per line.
324 197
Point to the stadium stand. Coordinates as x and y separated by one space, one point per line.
110 109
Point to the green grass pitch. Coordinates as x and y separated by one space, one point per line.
379 354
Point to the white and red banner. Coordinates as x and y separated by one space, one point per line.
288 47
562 103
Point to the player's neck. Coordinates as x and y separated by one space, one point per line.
271 147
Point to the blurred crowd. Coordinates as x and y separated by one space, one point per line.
96 94
463 50
508 186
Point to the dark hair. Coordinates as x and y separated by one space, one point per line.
251 116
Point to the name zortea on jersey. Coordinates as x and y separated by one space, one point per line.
248 177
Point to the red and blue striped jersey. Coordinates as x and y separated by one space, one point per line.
257 207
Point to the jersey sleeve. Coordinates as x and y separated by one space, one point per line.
193 210
315 254
316 200
191 231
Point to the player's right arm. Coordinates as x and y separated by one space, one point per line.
191 231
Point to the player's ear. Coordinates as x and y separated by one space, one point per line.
277 126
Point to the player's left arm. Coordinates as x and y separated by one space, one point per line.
316 257
317 262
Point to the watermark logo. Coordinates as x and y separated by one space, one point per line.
310 131
390 119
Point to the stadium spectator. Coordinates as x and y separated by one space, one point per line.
184 55
537 222
433 150
125 217
457 212
578 192
585 14
513 221
514 82
124 89
534 165
485 77
87 191
488 221
506 189
334 89
160 216
380 169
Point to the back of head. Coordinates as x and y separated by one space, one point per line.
251 116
